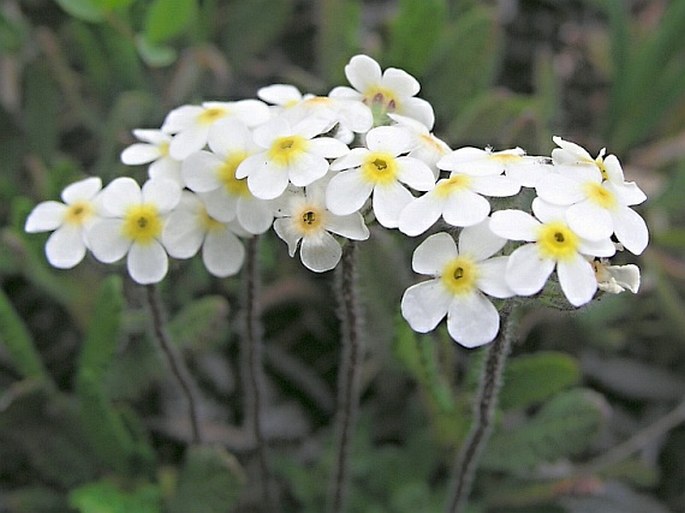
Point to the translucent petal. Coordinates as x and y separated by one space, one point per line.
147 263
223 253
472 320
286 230
254 215
631 230
347 192
388 202
65 247
320 253
577 280
45 216
351 226
431 256
425 304
527 270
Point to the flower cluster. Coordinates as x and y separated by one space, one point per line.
319 168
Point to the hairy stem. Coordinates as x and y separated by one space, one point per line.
178 368
484 409
252 370
349 376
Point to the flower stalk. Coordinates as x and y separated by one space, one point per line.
349 377
484 410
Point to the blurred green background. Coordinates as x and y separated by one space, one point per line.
89 419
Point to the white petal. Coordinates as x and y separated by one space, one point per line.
614 170
321 253
188 141
431 256
279 94
420 214
514 225
600 248
465 208
559 190
345 93
456 160
45 216
415 173
167 168
572 150
391 139
251 112
219 204
265 134
105 240
223 253
479 241
577 280
496 186
147 263
527 270
472 320
400 82
183 234
347 192
229 135
354 158
151 135
547 212
199 171
140 153
419 109
492 277
328 147
363 72
164 194
351 226
251 164
627 192
306 168
590 221
82 190
631 230
120 194
65 247
268 181
425 304
388 202
254 215
286 230
181 118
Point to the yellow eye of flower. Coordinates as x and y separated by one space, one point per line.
600 195
379 167
380 98
226 174
460 275
211 115
455 183
142 223
286 149
557 241
208 222
309 219
79 212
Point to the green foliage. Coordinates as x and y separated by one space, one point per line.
168 18
201 324
86 10
210 481
107 497
339 22
564 426
34 499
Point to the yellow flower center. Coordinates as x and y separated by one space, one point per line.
142 223
163 148
379 167
208 222
600 195
212 114
309 219
381 99
79 212
286 149
455 183
226 174
460 275
557 241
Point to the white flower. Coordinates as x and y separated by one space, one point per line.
189 227
616 278
458 199
212 176
155 150
427 147
392 90
460 278
554 245
596 208
191 124
305 222
290 154
67 246
133 224
378 169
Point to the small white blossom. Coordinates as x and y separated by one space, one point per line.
615 279
154 150
460 277
392 90
304 221
70 220
427 147
553 244
378 169
132 224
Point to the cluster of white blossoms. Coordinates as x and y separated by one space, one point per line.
319 168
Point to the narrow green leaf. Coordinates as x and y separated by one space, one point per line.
106 497
533 378
15 336
85 10
211 481
155 55
204 321
168 18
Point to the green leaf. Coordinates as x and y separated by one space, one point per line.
42 106
533 378
106 497
338 36
211 481
15 336
85 10
168 18
34 499
563 427
155 55
202 322
415 32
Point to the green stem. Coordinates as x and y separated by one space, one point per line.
349 377
484 410
176 363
